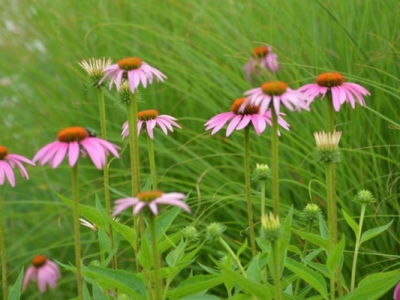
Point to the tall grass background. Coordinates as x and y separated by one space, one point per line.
201 46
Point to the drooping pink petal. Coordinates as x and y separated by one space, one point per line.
233 123
73 153
138 207
122 204
173 202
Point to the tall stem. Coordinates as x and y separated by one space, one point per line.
150 146
233 255
248 189
78 248
106 180
3 254
275 162
134 144
262 197
277 273
357 247
157 286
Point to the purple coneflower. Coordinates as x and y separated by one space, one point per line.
8 162
341 91
396 294
271 94
132 69
44 271
151 118
73 141
150 199
239 120
262 57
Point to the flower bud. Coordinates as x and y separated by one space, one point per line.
328 146
271 227
261 173
190 233
311 212
364 197
214 231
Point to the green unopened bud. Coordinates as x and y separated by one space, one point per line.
328 146
311 212
271 227
214 231
364 197
96 263
228 262
124 93
190 233
261 173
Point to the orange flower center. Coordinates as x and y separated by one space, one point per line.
147 115
130 63
3 152
329 79
149 195
72 134
39 261
274 88
250 109
261 51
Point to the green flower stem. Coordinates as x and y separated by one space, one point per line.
277 273
275 162
134 144
233 255
332 214
331 114
305 248
262 197
3 254
106 180
248 189
78 250
156 258
357 247
150 146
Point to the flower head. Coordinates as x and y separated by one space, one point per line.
271 94
214 231
44 271
364 197
262 58
150 199
328 146
239 118
341 91
134 70
8 162
151 118
261 173
73 141
94 67
311 212
396 293
271 227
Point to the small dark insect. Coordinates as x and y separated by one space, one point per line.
91 132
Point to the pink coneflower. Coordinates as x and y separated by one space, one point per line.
132 69
341 91
8 162
396 294
239 120
271 94
151 118
262 57
44 271
73 141
150 199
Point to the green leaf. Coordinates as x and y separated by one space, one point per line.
98 293
284 239
312 238
145 255
89 213
15 292
313 278
174 256
125 282
374 286
127 232
351 223
242 248
369 234
336 256
253 270
323 230
194 285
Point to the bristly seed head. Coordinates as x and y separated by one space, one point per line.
3 152
38 261
72 134
274 88
130 63
261 51
329 79
146 115
149 196
250 109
